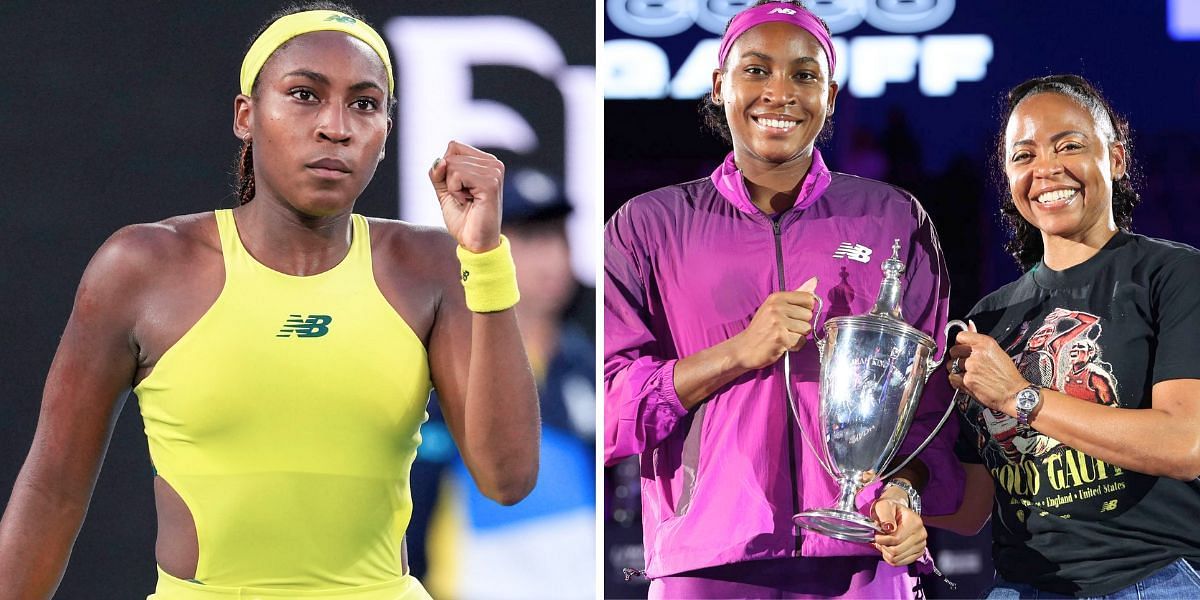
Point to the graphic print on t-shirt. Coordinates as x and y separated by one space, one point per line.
1063 353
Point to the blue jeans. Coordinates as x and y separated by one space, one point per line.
1176 580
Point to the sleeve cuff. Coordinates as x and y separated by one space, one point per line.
667 396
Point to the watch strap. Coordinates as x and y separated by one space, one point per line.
914 497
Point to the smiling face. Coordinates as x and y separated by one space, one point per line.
318 121
776 92
1060 165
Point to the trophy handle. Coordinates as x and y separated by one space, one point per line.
819 341
791 398
945 416
932 364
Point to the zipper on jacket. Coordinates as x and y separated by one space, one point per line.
791 418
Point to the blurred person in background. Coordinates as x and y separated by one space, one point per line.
543 547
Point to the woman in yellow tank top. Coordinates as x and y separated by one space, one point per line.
283 352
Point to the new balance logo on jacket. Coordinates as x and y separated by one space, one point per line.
853 251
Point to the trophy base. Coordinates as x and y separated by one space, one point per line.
840 524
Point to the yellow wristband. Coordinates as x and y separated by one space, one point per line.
489 278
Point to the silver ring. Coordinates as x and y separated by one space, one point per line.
956 367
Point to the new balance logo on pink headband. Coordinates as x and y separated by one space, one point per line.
766 13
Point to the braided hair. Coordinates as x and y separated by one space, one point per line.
1025 241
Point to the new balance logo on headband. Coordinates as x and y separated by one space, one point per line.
784 11
851 251
305 327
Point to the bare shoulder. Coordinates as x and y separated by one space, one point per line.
147 277
416 269
137 253
419 249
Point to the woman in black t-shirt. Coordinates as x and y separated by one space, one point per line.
1081 379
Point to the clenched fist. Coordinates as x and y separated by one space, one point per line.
468 183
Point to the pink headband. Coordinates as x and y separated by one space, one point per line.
776 11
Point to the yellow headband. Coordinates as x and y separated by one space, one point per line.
301 23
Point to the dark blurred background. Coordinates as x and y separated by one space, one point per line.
121 112
919 107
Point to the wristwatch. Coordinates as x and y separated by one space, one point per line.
1027 400
914 497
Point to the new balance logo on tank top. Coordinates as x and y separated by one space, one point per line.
1104 331
305 326
290 434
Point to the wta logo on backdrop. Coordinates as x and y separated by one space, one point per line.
440 98
640 67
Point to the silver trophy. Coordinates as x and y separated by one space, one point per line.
873 368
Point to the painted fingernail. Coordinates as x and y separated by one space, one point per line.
888 527
436 161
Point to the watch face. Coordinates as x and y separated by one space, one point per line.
1027 399
1023 400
